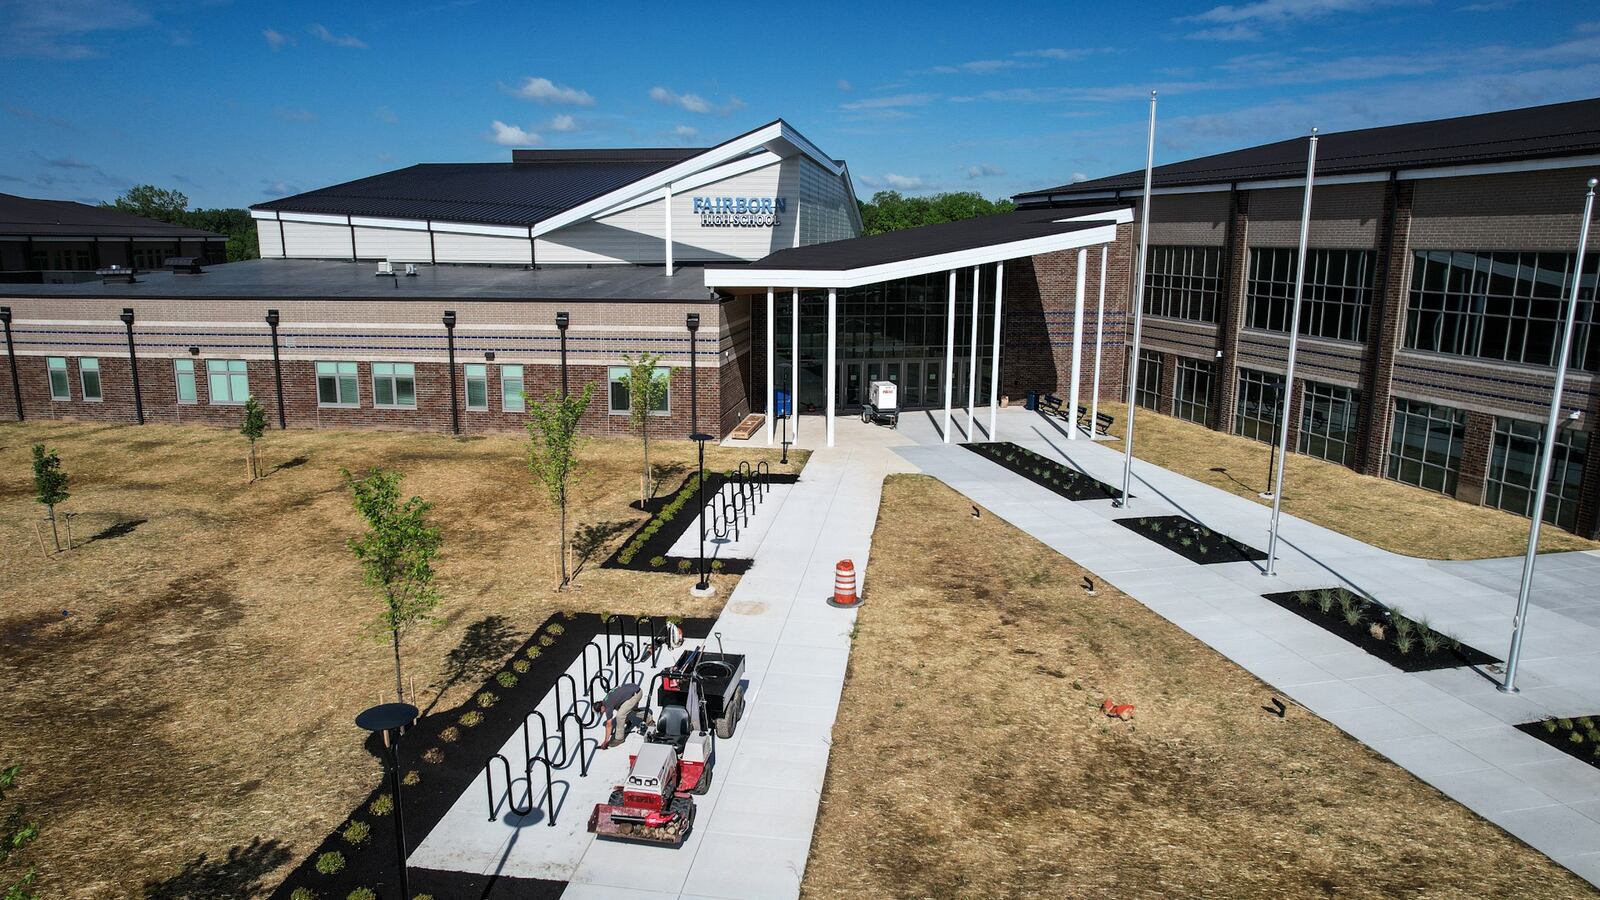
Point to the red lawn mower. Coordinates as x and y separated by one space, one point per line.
654 803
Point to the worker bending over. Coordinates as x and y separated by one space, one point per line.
617 710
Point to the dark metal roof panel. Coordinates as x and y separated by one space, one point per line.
1560 129
929 240
27 215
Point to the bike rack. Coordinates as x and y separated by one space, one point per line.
765 471
511 802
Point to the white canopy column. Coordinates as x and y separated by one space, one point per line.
1099 330
772 344
949 355
972 367
994 357
794 362
833 344
1075 381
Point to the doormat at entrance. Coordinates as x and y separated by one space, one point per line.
1045 472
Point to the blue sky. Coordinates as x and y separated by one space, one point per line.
234 103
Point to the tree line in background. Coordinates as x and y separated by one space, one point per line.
172 207
889 211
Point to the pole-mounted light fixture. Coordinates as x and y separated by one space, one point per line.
562 320
133 364
450 351
692 322
388 721
277 366
11 357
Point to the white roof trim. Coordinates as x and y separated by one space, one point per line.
401 224
846 278
652 184
1531 165
314 218
514 231
270 214
738 167
1122 215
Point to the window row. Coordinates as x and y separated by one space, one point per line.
1183 283
1501 306
1334 303
1152 365
392 385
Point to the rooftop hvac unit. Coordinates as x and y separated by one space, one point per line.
411 270
183 265
385 268
115 274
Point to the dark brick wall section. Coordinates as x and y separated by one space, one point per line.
1476 444
1230 312
1169 381
1036 333
1385 329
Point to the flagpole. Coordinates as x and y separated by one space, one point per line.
1542 477
1138 307
1294 343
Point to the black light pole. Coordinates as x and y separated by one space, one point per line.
277 366
450 351
702 587
133 364
1277 420
692 322
562 320
388 719
11 354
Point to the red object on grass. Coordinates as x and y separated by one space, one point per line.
1116 710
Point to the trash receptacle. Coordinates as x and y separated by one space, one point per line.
1032 403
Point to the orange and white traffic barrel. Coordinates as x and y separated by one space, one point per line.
844 583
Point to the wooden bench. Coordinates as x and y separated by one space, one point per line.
1051 404
748 427
1102 421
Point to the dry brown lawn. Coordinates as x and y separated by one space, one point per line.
1384 513
971 758
188 722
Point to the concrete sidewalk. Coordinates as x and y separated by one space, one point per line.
1451 728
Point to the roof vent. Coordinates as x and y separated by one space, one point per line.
115 275
411 270
385 267
183 265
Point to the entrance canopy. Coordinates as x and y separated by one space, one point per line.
918 251
896 269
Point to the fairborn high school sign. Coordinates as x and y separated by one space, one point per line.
740 212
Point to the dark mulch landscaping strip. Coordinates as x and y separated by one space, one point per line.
1450 655
372 863
1558 732
1045 472
1191 540
671 516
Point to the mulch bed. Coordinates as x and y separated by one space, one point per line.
1045 472
1558 732
1451 655
372 863
672 515
1191 540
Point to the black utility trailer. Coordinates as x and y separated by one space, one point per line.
721 686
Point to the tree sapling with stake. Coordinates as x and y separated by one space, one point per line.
553 454
49 486
253 427
396 555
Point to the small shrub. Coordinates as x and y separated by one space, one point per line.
716 565
471 719
362 893
1377 631
556 628
302 893
433 756
1352 615
507 679
381 805
330 862
1432 641
1325 600
546 640
1302 597
1187 542
521 666
1403 627
356 833
604 617
533 652
684 565
412 778
568 614
1586 723
1550 725
1403 643
1564 723
423 897
487 699
450 734
658 561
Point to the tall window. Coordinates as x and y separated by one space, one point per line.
1257 411
394 385
336 384
619 399
1151 364
227 380
89 377
1425 449
477 386
1191 390
1183 282
183 374
1338 292
60 385
1515 461
511 389
1501 306
1328 417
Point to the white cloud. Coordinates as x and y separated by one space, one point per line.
512 135
686 131
543 90
904 182
295 115
321 33
667 97
843 85
1225 34
1079 177
1281 12
1062 53
984 170
893 101
54 29
563 122
277 40
278 188
983 67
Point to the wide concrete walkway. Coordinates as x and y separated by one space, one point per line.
753 830
1450 727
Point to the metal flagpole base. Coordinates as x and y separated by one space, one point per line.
1266 495
1504 689
703 591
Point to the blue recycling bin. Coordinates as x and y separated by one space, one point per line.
1032 403
780 404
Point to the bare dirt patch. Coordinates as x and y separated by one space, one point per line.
971 757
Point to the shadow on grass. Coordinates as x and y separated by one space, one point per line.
239 874
591 540
117 530
485 643
295 463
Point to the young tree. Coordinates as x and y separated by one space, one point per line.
49 486
16 833
553 455
254 426
646 389
396 555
